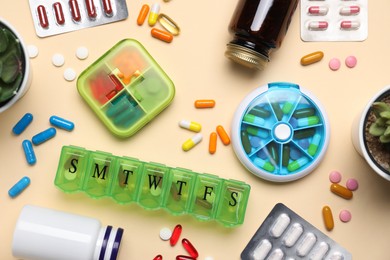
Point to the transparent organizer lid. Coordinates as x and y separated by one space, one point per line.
280 132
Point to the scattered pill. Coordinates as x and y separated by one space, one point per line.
44 136
59 13
153 15
22 124
168 24
58 60
204 103
175 234
312 58
350 10
193 141
318 25
318 10
32 51
334 64
20 186
161 35
82 53
165 233
184 257
352 184
223 135
209 258
350 61
335 177
42 16
190 125
69 74
349 25
213 143
345 216
158 257
61 123
191 250
29 152
341 191
328 218
143 13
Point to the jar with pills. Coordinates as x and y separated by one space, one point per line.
258 27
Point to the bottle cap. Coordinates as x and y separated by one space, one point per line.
246 57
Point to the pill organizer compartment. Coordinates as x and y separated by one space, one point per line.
126 88
280 132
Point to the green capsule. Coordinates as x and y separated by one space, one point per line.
245 142
260 112
287 107
286 155
315 142
264 164
257 131
277 110
295 165
305 133
304 112
273 151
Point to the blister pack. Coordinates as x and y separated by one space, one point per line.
334 20
286 235
53 17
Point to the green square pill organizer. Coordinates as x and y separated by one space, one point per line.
126 88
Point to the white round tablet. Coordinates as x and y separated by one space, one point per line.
209 258
82 53
69 74
32 51
165 234
58 60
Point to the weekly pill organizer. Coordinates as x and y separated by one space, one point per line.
126 88
286 235
280 132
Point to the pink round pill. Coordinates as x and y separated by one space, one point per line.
335 177
352 184
345 215
350 61
334 64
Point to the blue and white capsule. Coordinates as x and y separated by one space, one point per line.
22 124
18 187
61 123
44 136
29 152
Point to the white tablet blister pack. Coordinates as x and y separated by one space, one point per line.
53 17
334 20
286 235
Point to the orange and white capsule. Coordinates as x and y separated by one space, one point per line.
349 25
318 10
153 15
143 13
318 25
350 10
192 142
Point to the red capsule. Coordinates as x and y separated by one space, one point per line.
75 10
189 248
91 9
59 13
107 7
184 257
42 16
158 257
175 235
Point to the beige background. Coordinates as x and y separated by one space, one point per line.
195 61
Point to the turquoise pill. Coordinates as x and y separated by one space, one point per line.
44 136
295 165
254 119
117 108
22 124
264 164
308 121
20 186
315 142
29 152
61 123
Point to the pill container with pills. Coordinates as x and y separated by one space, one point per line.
280 132
126 88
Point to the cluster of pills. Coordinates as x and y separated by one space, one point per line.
154 16
60 16
340 20
345 192
173 237
334 63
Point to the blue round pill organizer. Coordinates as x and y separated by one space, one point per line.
280 132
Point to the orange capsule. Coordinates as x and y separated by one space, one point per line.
341 191
328 218
143 13
162 35
204 103
213 143
223 135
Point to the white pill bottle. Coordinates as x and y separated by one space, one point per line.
47 234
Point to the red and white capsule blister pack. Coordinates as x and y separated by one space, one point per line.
334 20
53 17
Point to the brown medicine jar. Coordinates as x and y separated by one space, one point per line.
258 27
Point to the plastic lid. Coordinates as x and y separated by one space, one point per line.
108 243
126 88
280 132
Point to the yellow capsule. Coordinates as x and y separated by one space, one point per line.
312 58
153 15
168 24
190 125
190 143
341 191
328 218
